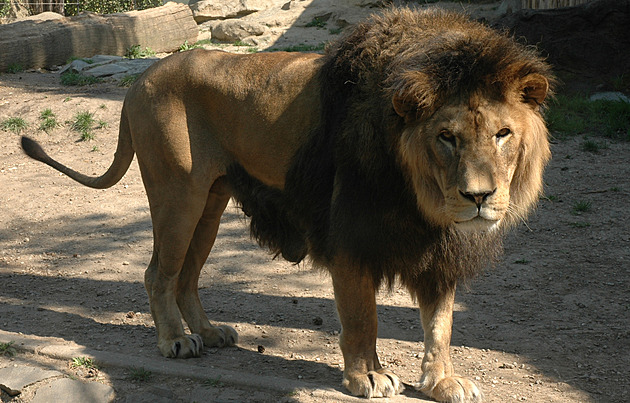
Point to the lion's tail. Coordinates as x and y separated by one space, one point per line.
122 159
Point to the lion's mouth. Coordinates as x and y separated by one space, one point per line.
477 224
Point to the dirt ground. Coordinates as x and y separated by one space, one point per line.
551 323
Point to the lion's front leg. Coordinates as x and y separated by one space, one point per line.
356 304
438 379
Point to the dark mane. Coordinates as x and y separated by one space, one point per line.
345 193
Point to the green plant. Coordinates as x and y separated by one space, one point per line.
521 261
581 207
83 123
102 124
204 42
186 46
94 149
136 52
140 375
317 23
334 31
15 125
215 383
6 7
67 99
83 362
591 146
128 80
14 68
8 349
48 120
109 6
76 79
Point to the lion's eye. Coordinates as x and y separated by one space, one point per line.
447 137
503 133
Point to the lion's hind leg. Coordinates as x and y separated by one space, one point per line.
179 212
356 304
187 287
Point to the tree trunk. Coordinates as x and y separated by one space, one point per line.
32 44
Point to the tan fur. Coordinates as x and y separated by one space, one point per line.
194 115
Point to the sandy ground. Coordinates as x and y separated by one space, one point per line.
549 324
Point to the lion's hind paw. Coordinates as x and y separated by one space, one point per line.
379 383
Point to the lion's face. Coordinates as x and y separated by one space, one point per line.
476 164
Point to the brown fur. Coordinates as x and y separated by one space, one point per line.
403 153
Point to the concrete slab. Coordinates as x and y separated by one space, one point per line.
14 379
71 391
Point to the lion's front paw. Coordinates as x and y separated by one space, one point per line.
454 389
379 383
182 347
220 336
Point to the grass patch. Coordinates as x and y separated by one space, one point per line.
15 125
140 375
522 261
48 120
334 31
571 115
214 383
317 23
7 349
136 52
83 362
592 146
83 123
15 68
204 42
187 46
76 79
128 80
581 207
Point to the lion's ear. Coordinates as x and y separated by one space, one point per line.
404 107
534 88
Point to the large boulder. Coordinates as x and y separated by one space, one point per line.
205 10
237 30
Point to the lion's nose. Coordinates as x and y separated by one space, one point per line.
478 197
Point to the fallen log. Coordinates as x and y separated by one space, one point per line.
41 44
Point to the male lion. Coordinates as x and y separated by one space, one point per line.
402 154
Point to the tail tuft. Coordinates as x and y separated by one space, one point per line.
34 150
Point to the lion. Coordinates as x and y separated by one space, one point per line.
403 154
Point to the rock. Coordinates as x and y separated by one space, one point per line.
71 391
37 44
103 66
205 10
76 66
610 96
45 16
236 30
14 379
